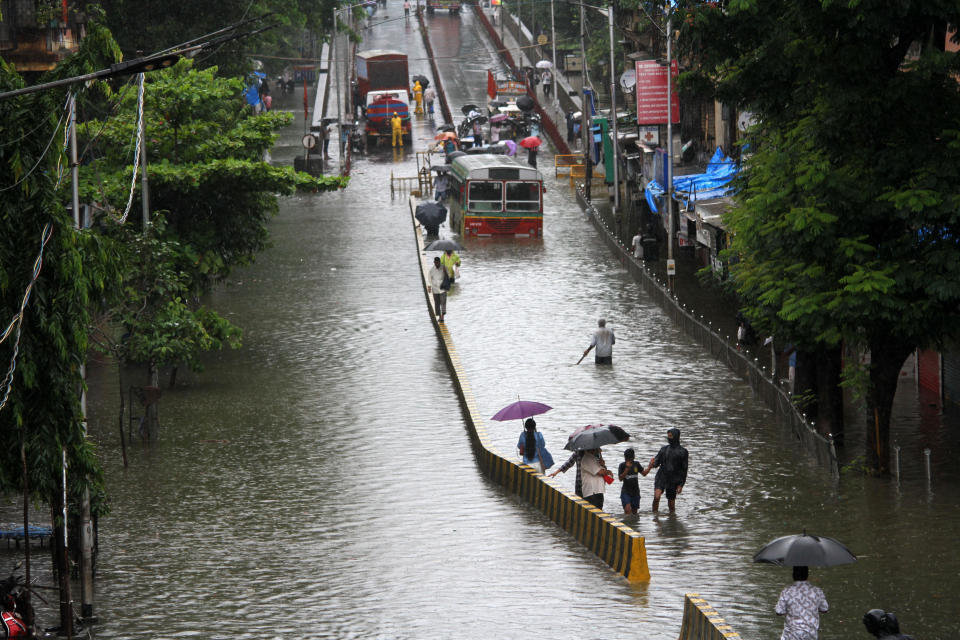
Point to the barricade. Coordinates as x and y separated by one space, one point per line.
702 622
622 548
567 161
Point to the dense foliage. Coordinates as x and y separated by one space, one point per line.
848 217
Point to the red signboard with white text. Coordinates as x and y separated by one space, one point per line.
652 93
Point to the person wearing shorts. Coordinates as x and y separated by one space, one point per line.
671 463
629 473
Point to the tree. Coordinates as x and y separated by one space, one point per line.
212 194
847 222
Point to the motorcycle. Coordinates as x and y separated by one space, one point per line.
15 607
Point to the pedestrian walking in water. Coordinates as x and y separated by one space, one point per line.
406 9
547 80
671 462
581 485
429 95
396 127
603 340
569 127
883 625
801 605
532 447
532 157
629 473
439 283
440 184
636 244
451 262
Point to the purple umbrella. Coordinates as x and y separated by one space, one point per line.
500 117
520 409
511 147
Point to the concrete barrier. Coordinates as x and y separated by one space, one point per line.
702 622
619 546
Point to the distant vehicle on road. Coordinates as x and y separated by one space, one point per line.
495 195
382 77
453 6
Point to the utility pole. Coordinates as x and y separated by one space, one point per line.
152 370
86 525
553 45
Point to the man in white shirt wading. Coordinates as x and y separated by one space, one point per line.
603 340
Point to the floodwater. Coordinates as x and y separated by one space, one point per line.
319 482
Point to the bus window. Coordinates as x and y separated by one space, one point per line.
485 196
523 196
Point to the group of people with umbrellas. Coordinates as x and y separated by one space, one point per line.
592 474
506 134
801 603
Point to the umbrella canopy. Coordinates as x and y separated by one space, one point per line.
520 410
423 80
803 550
477 118
531 143
544 64
511 147
446 135
454 155
431 215
443 245
467 108
594 436
440 168
525 103
500 117
446 127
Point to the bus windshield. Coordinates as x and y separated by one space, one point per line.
523 196
485 196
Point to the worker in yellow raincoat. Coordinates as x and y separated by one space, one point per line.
396 125
418 96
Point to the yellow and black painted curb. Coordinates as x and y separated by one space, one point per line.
621 547
702 622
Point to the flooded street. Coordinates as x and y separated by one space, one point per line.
319 482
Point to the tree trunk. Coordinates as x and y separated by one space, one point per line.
830 394
886 359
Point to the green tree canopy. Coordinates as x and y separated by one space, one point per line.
847 224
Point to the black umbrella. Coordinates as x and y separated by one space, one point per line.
467 108
440 168
454 155
803 550
424 81
443 245
446 127
594 436
525 103
496 149
480 119
431 215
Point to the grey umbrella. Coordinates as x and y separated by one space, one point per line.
443 245
594 436
804 550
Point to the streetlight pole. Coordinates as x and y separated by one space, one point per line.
586 119
613 117
553 45
669 171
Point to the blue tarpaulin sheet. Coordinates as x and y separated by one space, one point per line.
714 183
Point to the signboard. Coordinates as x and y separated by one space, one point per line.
542 39
649 135
652 93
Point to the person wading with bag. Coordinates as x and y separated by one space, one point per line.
439 283
532 447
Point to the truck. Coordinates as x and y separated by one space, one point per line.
383 89
453 6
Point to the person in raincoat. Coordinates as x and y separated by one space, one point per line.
451 262
396 125
671 462
418 96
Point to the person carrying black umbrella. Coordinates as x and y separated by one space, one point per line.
672 461
801 605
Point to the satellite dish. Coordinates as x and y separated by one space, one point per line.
628 79
746 120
